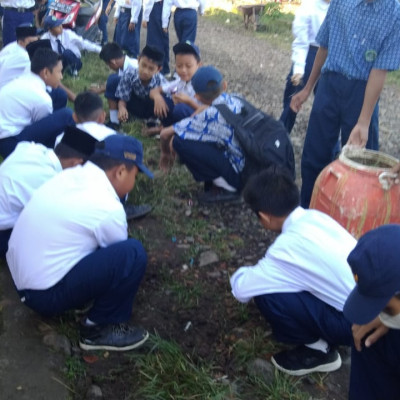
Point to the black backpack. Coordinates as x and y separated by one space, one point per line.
263 139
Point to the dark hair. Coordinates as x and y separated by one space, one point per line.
62 150
188 52
106 163
154 54
272 191
212 94
44 58
87 106
110 51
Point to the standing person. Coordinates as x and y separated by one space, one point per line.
70 246
16 13
128 19
67 43
306 24
103 21
156 36
359 42
301 284
185 17
374 309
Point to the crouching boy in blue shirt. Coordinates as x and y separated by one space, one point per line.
205 142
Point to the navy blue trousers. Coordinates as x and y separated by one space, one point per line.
59 98
4 238
43 131
70 61
375 371
336 108
288 116
301 318
206 161
156 36
185 23
110 276
128 41
103 21
11 20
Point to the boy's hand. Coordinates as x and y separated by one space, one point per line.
165 30
181 98
131 26
115 21
374 329
296 79
160 107
123 114
298 99
144 24
359 135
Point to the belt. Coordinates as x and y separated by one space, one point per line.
312 46
124 9
20 9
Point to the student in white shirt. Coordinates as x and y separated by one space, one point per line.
308 19
26 112
128 19
185 17
14 59
113 56
29 166
67 43
70 246
302 282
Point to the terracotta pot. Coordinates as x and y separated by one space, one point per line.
356 190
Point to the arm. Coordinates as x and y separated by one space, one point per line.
160 106
116 14
167 156
184 98
302 96
109 7
359 134
166 13
147 7
71 95
135 11
122 111
371 332
202 6
112 229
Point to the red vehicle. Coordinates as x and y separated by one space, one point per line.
81 16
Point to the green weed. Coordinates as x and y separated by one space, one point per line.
74 369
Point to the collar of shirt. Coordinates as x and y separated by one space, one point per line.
293 217
373 3
37 79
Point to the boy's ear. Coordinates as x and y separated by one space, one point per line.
224 86
264 217
75 117
159 68
101 118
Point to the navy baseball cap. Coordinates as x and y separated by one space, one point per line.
123 148
187 47
207 79
51 21
375 261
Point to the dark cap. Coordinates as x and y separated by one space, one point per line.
123 148
79 140
37 44
187 47
51 21
207 79
375 262
153 53
25 30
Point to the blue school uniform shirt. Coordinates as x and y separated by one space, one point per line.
210 126
130 82
361 36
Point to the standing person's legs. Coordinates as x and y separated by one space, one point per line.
130 40
103 21
375 371
185 22
322 133
11 20
48 128
156 35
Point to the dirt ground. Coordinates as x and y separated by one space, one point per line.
256 69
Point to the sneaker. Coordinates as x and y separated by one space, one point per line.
135 212
219 195
119 337
302 360
113 125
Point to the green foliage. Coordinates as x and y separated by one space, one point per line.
165 372
74 368
272 10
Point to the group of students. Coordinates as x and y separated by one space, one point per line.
68 242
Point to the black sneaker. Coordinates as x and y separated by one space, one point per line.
136 212
119 337
302 360
113 125
219 195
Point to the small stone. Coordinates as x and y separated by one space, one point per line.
94 392
58 342
214 274
207 258
262 368
188 212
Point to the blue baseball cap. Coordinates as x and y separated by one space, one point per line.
207 79
123 148
51 21
187 47
375 261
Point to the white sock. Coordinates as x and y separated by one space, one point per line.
89 322
320 345
114 116
221 182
